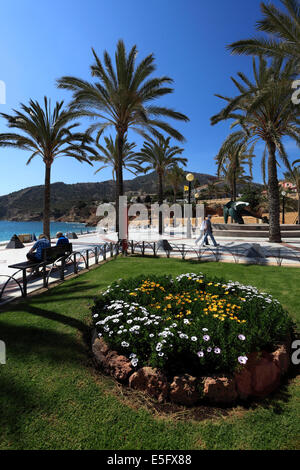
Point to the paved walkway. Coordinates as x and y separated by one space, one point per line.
250 251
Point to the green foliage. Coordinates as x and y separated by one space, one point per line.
188 324
282 29
253 195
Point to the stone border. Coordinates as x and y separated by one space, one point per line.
257 379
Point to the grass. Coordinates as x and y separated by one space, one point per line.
52 398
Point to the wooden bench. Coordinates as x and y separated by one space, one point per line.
49 256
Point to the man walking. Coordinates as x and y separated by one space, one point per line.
208 232
202 231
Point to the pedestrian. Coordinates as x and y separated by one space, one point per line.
208 232
202 230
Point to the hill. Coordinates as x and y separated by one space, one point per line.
75 202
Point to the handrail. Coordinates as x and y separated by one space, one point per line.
141 247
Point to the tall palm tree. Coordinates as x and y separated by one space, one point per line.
212 190
46 133
175 178
159 156
264 111
108 155
122 97
283 30
293 176
231 159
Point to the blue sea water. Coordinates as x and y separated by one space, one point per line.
9 228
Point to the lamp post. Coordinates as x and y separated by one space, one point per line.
190 179
283 193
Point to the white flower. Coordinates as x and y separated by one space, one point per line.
124 344
242 337
96 315
217 350
183 336
134 361
151 335
200 353
129 321
132 356
209 349
204 329
206 338
161 354
186 321
194 338
99 335
243 359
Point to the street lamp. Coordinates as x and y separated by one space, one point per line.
190 179
283 194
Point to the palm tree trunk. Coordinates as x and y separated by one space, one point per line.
46 214
160 201
273 195
298 190
234 186
119 178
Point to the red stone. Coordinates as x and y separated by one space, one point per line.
259 377
151 381
120 367
183 390
220 389
281 358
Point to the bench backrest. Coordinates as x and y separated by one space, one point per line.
54 252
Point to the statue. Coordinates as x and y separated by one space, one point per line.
237 209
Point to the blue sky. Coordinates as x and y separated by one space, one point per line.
42 41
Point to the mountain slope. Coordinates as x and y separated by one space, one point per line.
69 199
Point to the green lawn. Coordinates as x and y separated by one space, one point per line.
51 397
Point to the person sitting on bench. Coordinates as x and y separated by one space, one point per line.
36 252
62 240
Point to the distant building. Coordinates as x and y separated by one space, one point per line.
288 185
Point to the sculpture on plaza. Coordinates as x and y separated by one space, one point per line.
236 210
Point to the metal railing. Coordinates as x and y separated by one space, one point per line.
79 260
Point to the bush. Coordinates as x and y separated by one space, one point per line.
188 324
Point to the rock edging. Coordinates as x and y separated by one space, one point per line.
258 378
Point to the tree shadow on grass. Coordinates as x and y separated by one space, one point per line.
40 344
16 399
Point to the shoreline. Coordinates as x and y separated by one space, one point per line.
82 231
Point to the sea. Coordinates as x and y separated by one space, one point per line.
9 228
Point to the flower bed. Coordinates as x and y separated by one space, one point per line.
189 326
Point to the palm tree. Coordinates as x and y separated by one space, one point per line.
108 155
159 156
264 111
232 157
212 190
283 29
121 97
293 176
46 133
175 178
